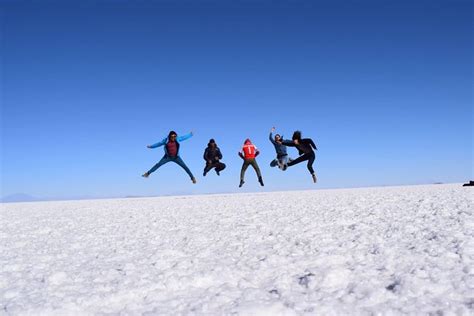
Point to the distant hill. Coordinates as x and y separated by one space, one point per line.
19 197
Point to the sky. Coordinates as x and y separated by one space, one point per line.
384 88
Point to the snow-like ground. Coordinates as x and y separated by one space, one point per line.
353 251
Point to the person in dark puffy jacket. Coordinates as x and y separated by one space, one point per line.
305 148
171 146
212 155
248 153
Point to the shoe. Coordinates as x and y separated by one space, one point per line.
193 180
274 163
218 173
241 183
145 175
314 177
204 173
285 166
261 181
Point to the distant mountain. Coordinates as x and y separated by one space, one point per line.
19 197
22 197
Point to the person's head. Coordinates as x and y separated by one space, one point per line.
212 143
296 135
278 138
172 135
247 141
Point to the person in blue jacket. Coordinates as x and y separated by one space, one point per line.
171 146
282 156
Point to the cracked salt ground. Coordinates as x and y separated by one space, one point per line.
358 251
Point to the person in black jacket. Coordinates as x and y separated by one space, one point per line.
305 149
212 155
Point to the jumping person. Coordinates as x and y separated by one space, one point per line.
171 146
305 149
282 156
212 155
248 153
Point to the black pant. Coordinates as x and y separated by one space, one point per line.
252 162
218 165
310 157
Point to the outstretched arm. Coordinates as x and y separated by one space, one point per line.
312 144
161 143
271 138
184 137
290 143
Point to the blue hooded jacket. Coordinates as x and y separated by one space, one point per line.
280 148
166 140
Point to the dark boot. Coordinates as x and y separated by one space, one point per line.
260 180
241 183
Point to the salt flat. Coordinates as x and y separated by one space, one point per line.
389 250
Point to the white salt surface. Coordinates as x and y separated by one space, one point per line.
356 251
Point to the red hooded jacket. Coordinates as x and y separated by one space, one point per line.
249 150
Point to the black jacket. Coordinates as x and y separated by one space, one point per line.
212 154
305 145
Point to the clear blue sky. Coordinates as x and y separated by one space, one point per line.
384 88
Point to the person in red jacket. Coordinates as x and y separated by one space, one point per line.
248 153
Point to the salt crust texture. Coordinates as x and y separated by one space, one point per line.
388 251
